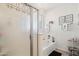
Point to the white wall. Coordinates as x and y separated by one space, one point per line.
61 36
45 47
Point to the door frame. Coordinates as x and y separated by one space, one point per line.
31 28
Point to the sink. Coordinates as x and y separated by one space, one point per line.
48 49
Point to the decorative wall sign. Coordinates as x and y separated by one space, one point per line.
61 20
66 21
64 26
69 19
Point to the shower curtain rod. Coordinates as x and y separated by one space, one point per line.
30 6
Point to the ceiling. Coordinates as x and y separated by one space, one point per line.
44 6
48 6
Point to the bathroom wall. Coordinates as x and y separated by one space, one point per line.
61 36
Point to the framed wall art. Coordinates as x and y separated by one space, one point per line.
66 21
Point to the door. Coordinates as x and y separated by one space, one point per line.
19 23
15 24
